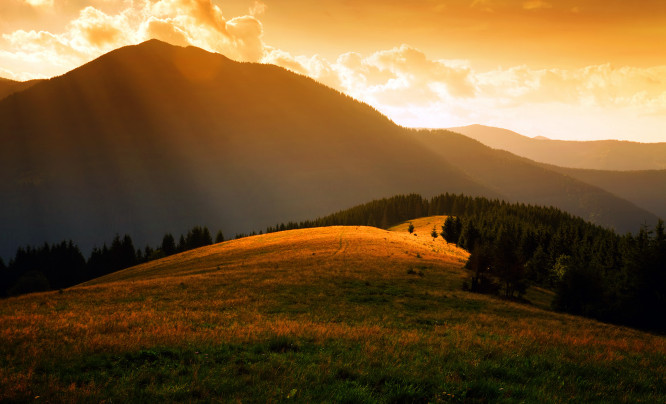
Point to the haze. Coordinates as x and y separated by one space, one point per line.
565 70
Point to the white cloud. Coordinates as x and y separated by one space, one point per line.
94 32
40 3
257 9
595 101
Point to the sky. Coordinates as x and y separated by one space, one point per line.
563 69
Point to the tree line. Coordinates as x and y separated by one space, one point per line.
60 265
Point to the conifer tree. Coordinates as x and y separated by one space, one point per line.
219 237
168 245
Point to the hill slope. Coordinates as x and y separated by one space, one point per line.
9 87
351 314
611 155
155 138
521 180
646 189
306 253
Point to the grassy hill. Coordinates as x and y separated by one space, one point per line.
337 314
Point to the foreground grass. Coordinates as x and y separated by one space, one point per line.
340 314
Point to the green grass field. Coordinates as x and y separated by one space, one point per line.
338 314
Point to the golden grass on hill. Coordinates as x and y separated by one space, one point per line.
307 251
394 296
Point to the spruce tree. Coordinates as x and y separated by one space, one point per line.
168 245
219 237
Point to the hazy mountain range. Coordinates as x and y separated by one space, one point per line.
596 155
633 171
154 138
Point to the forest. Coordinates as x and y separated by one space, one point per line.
593 271
57 266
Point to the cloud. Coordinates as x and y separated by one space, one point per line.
245 36
40 3
98 31
484 5
257 9
536 5
94 32
416 91
164 30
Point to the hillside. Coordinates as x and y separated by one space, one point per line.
305 252
338 314
645 189
8 87
518 179
155 138
613 155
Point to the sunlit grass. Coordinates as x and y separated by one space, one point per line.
330 314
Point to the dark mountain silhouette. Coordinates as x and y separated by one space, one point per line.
8 87
611 155
521 180
155 138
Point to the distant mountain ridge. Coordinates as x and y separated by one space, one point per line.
613 155
646 189
156 138
9 87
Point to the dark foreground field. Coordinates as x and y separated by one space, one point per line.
338 314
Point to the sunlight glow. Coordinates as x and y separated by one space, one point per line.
437 75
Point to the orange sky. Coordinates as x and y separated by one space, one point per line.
570 69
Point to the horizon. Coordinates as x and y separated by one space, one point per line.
510 64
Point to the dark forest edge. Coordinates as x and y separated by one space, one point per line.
594 271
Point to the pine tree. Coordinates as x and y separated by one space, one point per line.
219 237
168 245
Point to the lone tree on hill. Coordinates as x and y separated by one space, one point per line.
410 228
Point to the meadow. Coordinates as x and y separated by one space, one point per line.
334 314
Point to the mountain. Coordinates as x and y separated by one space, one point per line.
519 179
155 138
646 189
8 87
611 155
